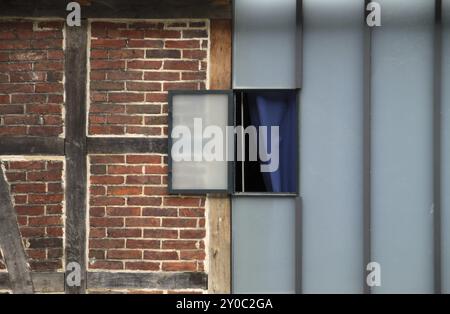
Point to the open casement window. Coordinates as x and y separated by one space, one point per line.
233 142
198 145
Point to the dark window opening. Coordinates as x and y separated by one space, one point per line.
267 109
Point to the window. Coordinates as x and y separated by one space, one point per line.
267 146
212 149
198 122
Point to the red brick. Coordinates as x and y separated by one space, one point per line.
160 255
107 65
30 210
143 244
161 233
143 180
178 201
111 265
152 190
143 159
28 165
44 221
159 212
179 266
192 234
142 266
179 222
50 175
181 65
123 211
97 211
97 232
179 244
193 255
161 76
45 198
145 43
182 44
55 231
106 222
142 222
126 54
125 97
143 86
147 201
124 75
124 190
105 201
108 43
192 212
106 243
124 233
139 64
107 86
107 180
162 34
32 231
107 159
120 169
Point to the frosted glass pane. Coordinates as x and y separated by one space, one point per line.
193 171
402 113
263 245
446 150
264 44
331 146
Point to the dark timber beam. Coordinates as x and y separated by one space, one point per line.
11 243
147 280
117 145
76 167
32 146
133 9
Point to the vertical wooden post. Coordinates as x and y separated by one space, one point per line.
11 243
75 148
219 216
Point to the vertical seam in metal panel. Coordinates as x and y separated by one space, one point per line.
437 106
298 208
367 149
298 44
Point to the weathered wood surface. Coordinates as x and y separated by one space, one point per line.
147 280
116 145
11 243
76 150
32 146
42 282
147 9
219 215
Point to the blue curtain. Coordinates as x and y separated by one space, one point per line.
278 108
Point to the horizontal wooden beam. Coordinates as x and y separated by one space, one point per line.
32 146
149 280
42 282
133 9
122 145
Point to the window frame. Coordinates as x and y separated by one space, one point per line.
230 164
231 171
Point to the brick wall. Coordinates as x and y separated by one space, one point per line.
31 78
37 190
134 224
133 65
